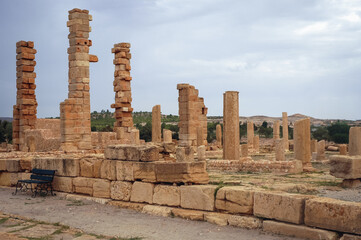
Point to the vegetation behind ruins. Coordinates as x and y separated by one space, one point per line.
6 131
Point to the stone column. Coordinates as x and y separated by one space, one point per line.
302 141
354 141
280 150
24 112
201 153
256 143
75 111
313 145
343 149
231 125
285 130
321 150
276 130
250 133
219 135
156 124
167 136
244 151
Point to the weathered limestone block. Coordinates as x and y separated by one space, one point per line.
343 149
144 171
12 165
201 152
280 150
185 154
333 214
220 219
247 222
169 147
128 205
90 167
200 197
188 214
120 190
157 210
64 166
166 195
350 237
302 141
354 141
101 188
63 184
235 200
83 185
108 170
280 206
8 179
256 143
124 171
348 167
231 125
2 165
298 231
142 192
167 136
321 150
25 164
244 150
132 153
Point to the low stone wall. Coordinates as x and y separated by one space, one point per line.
296 215
293 166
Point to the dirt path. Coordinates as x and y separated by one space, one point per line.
112 221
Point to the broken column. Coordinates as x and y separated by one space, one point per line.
75 111
219 135
244 151
231 125
321 150
256 143
343 149
24 112
192 117
354 141
250 134
167 136
276 129
313 145
156 124
285 130
302 141
280 150
123 126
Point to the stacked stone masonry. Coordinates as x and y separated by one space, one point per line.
192 117
24 112
75 110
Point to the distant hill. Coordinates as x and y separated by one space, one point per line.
9 119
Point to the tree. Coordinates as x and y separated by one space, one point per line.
339 132
321 133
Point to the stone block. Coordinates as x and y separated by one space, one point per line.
8 179
124 171
2 165
83 185
348 167
200 197
333 214
142 192
216 218
66 167
101 188
25 164
350 237
128 205
166 195
63 184
298 231
354 141
144 171
280 206
13 165
157 210
108 170
90 167
235 200
188 214
247 222
184 154
132 153
120 190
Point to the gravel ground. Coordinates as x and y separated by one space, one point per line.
112 221
353 195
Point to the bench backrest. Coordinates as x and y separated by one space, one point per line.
42 174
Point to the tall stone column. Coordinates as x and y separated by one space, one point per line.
354 141
75 111
280 150
302 141
231 125
24 112
321 150
256 143
219 135
285 130
156 124
250 134
276 130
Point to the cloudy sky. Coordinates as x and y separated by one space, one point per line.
284 55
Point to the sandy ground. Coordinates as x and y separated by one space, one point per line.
112 221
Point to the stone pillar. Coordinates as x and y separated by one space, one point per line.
231 125
280 150
200 136
201 152
256 143
156 124
75 111
167 136
354 147
276 130
244 150
24 112
313 145
250 133
192 114
302 141
285 130
321 150
343 149
219 135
